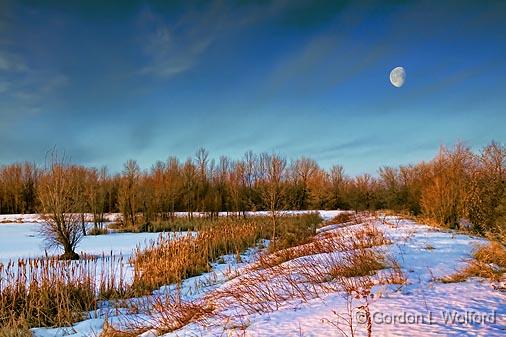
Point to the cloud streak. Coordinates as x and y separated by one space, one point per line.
171 49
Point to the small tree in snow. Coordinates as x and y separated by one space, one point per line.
60 202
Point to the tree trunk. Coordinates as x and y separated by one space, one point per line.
83 224
273 227
69 253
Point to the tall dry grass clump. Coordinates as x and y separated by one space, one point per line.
16 327
51 292
169 261
489 261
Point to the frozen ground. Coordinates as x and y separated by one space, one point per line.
23 241
423 307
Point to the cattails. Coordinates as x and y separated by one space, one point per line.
52 292
170 260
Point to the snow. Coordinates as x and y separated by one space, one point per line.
23 241
471 308
36 218
441 309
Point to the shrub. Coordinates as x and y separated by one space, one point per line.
342 218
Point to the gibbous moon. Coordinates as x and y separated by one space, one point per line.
398 77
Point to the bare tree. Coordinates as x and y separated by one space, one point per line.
188 191
128 195
202 181
172 184
59 207
94 192
274 168
302 171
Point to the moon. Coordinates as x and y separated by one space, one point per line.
398 77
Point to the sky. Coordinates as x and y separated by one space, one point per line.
106 81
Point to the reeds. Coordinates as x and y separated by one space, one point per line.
16 327
169 261
52 292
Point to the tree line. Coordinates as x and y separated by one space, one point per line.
456 184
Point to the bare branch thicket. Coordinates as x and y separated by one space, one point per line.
458 188
129 193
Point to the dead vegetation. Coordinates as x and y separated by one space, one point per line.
345 239
361 262
344 261
341 218
169 261
15 328
489 262
51 292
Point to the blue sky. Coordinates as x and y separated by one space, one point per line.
109 81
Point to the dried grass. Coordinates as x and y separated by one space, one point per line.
170 261
333 261
15 328
52 292
489 262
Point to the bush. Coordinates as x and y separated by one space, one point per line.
295 230
342 218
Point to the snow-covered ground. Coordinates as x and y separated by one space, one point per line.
24 241
36 218
422 307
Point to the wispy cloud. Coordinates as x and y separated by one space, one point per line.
24 90
171 49
24 85
9 62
